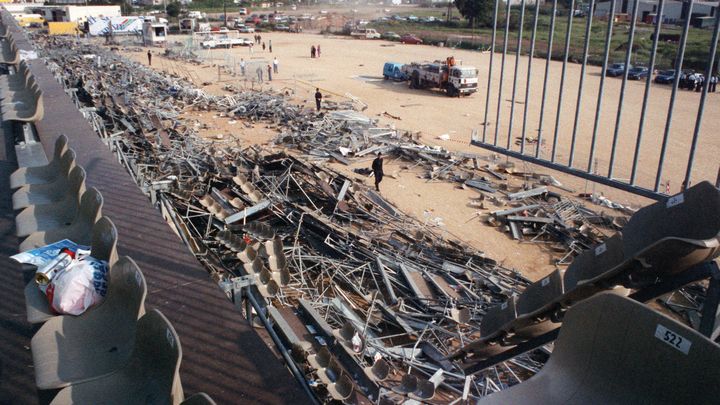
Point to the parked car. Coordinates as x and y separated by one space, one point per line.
392 70
245 29
243 11
665 76
638 72
391 36
410 39
616 69
282 27
413 18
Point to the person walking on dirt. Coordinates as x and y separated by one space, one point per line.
270 45
251 49
149 58
318 98
242 66
713 83
312 51
259 72
263 45
275 65
318 50
377 168
269 69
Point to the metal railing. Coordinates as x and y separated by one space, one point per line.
586 165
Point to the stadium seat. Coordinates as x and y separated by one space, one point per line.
60 165
79 231
103 247
408 384
379 371
321 359
9 53
498 318
584 275
73 349
32 109
72 186
341 389
670 236
150 376
613 350
425 390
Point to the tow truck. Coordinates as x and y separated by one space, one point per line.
446 75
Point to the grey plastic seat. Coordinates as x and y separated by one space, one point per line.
79 231
37 194
408 384
586 272
425 390
44 217
670 236
613 350
150 376
342 388
498 319
9 53
379 371
536 305
32 110
321 359
73 349
331 373
103 246
24 84
200 398
345 334
45 174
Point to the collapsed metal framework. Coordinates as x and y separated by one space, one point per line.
585 170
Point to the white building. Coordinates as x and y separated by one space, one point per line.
76 13
674 11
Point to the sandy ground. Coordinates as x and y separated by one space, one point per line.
354 67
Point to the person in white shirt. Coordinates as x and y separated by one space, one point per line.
275 65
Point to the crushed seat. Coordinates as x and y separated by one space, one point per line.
79 230
150 376
62 188
671 236
613 350
103 247
73 349
47 173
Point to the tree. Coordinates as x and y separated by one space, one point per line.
173 9
477 12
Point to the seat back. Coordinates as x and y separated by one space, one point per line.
104 241
61 145
343 387
76 182
408 384
612 349
670 236
158 353
540 294
425 389
497 318
200 398
323 357
65 162
380 369
595 263
90 209
347 331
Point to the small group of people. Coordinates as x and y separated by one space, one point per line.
315 51
257 38
260 72
696 82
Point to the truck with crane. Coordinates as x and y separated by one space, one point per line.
456 80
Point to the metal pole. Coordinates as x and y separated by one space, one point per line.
502 71
527 84
568 33
608 39
678 73
517 63
492 52
703 97
588 27
653 53
628 55
547 70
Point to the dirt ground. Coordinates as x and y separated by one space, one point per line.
354 67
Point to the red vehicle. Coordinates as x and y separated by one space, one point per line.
410 39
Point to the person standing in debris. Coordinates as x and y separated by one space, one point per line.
242 66
149 58
318 98
263 44
318 50
259 72
312 51
377 168
275 65
269 69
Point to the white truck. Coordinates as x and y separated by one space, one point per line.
455 80
225 42
367 33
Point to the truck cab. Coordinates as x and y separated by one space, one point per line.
392 70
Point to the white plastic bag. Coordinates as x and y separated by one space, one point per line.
77 287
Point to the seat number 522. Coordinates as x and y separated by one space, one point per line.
673 339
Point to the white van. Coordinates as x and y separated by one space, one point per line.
368 33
